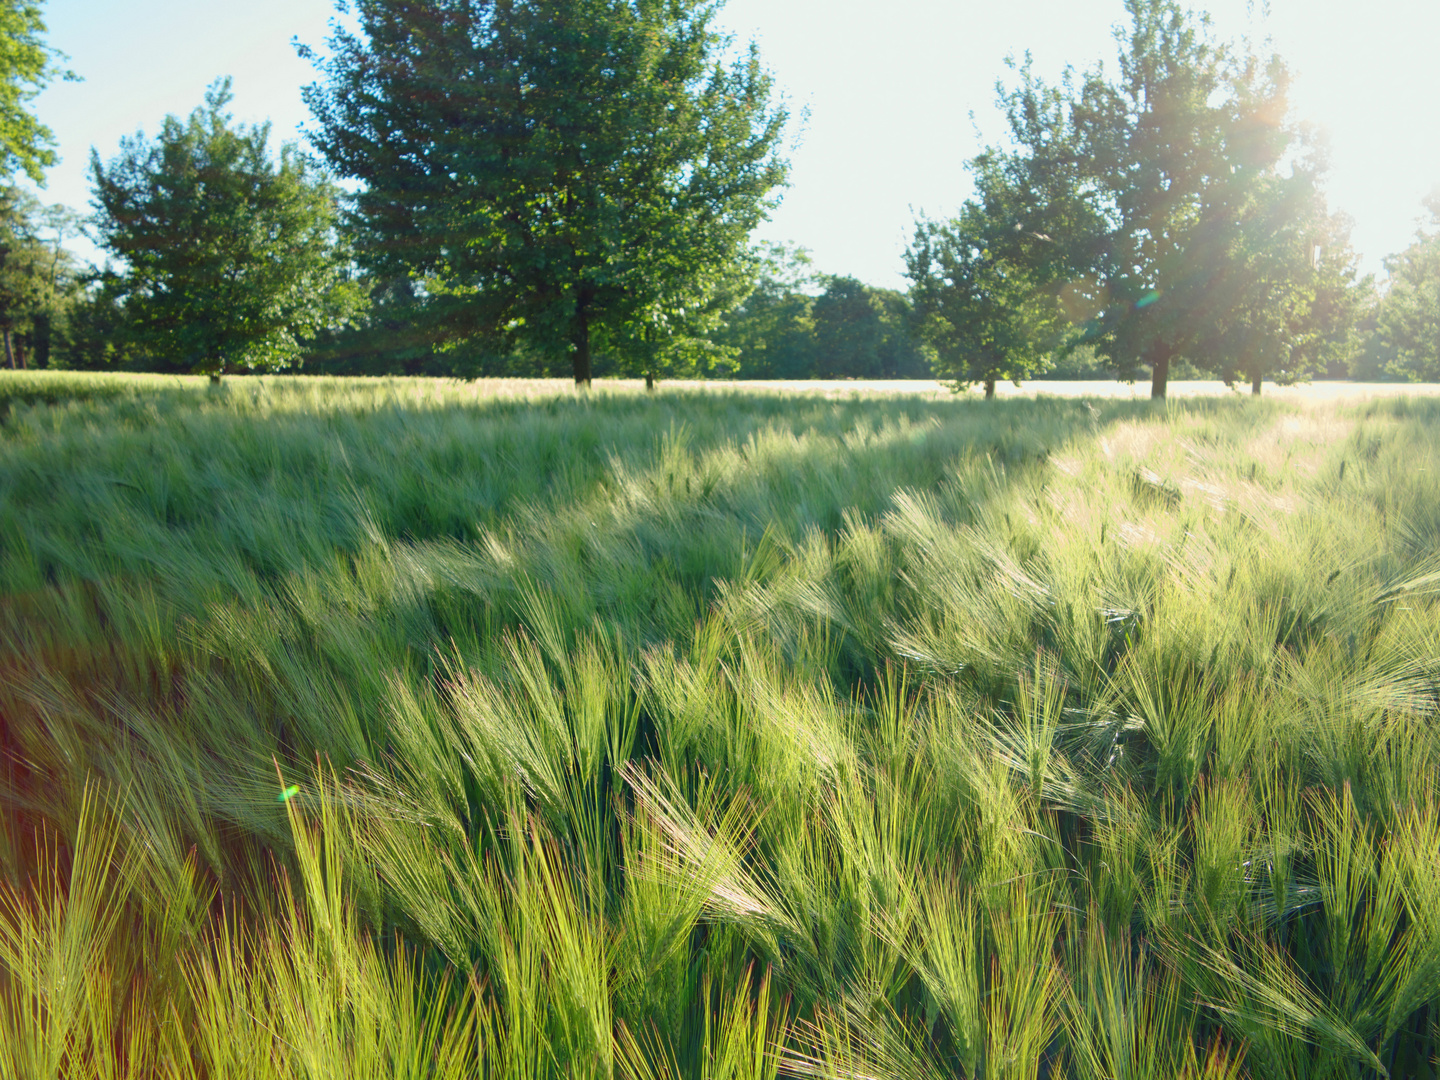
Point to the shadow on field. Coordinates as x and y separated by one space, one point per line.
285 477
254 564
361 531
314 541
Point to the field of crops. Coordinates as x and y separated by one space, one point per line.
422 730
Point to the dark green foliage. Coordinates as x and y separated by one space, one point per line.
800 324
94 336
862 332
39 280
395 335
229 258
772 331
580 176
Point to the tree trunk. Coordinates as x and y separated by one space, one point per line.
21 360
1255 384
1159 371
650 379
989 389
580 341
9 350
42 341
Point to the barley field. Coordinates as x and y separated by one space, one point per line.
435 730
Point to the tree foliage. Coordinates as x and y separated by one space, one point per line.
772 331
797 323
229 255
567 173
864 332
1405 343
986 313
27 66
39 278
1185 210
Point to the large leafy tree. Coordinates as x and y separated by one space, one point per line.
1406 340
229 255
1171 193
559 172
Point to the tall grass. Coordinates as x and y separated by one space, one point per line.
403 729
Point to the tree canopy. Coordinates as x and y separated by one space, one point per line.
229 256
1184 211
554 172
986 313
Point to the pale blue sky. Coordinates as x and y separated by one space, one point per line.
889 90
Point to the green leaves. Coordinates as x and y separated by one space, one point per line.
1171 208
27 66
229 256
573 170
1406 339
979 303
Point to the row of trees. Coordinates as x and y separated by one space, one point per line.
532 178
548 185
794 323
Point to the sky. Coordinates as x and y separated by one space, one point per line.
889 101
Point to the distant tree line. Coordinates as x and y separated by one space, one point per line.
569 187
1400 335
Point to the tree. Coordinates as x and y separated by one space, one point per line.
1289 289
1406 340
1181 232
984 312
550 171
39 280
771 332
229 256
862 332
27 66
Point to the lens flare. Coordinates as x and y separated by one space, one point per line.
289 793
